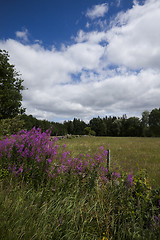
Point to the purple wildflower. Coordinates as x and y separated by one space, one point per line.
104 178
49 160
101 148
105 152
130 179
116 174
56 139
64 154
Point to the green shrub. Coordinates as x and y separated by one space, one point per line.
11 126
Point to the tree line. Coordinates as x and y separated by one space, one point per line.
13 117
146 126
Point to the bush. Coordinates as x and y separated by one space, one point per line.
11 126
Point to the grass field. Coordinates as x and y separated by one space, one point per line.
47 193
130 154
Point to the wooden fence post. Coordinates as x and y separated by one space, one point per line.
108 159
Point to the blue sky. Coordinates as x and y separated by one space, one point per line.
52 21
84 58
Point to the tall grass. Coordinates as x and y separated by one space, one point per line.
49 192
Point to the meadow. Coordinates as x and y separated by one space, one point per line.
130 154
62 189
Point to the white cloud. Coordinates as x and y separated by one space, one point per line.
105 72
118 3
23 35
87 25
91 37
97 11
135 36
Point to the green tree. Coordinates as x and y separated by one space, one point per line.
154 122
58 129
133 127
98 126
79 126
69 126
145 124
89 131
10 88
117 127
29 121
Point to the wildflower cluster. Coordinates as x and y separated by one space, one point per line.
27 153
32 155
35 157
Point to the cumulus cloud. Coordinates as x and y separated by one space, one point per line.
97 11
109 72
134 37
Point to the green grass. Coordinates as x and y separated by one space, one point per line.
131 154
88 208
75 213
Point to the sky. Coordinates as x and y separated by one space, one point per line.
84 58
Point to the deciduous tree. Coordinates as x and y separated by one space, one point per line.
10 88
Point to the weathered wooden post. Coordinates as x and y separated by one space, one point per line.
108 159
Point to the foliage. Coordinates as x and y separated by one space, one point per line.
11 126
46 193
10 88
147 126
154 122
98 126
89 131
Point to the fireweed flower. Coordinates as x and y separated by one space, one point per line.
21 168
130 179
55 139
27 146
69 161
105 152
64 154
101 148
49 160
104 170
98 157
35 150
116 174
